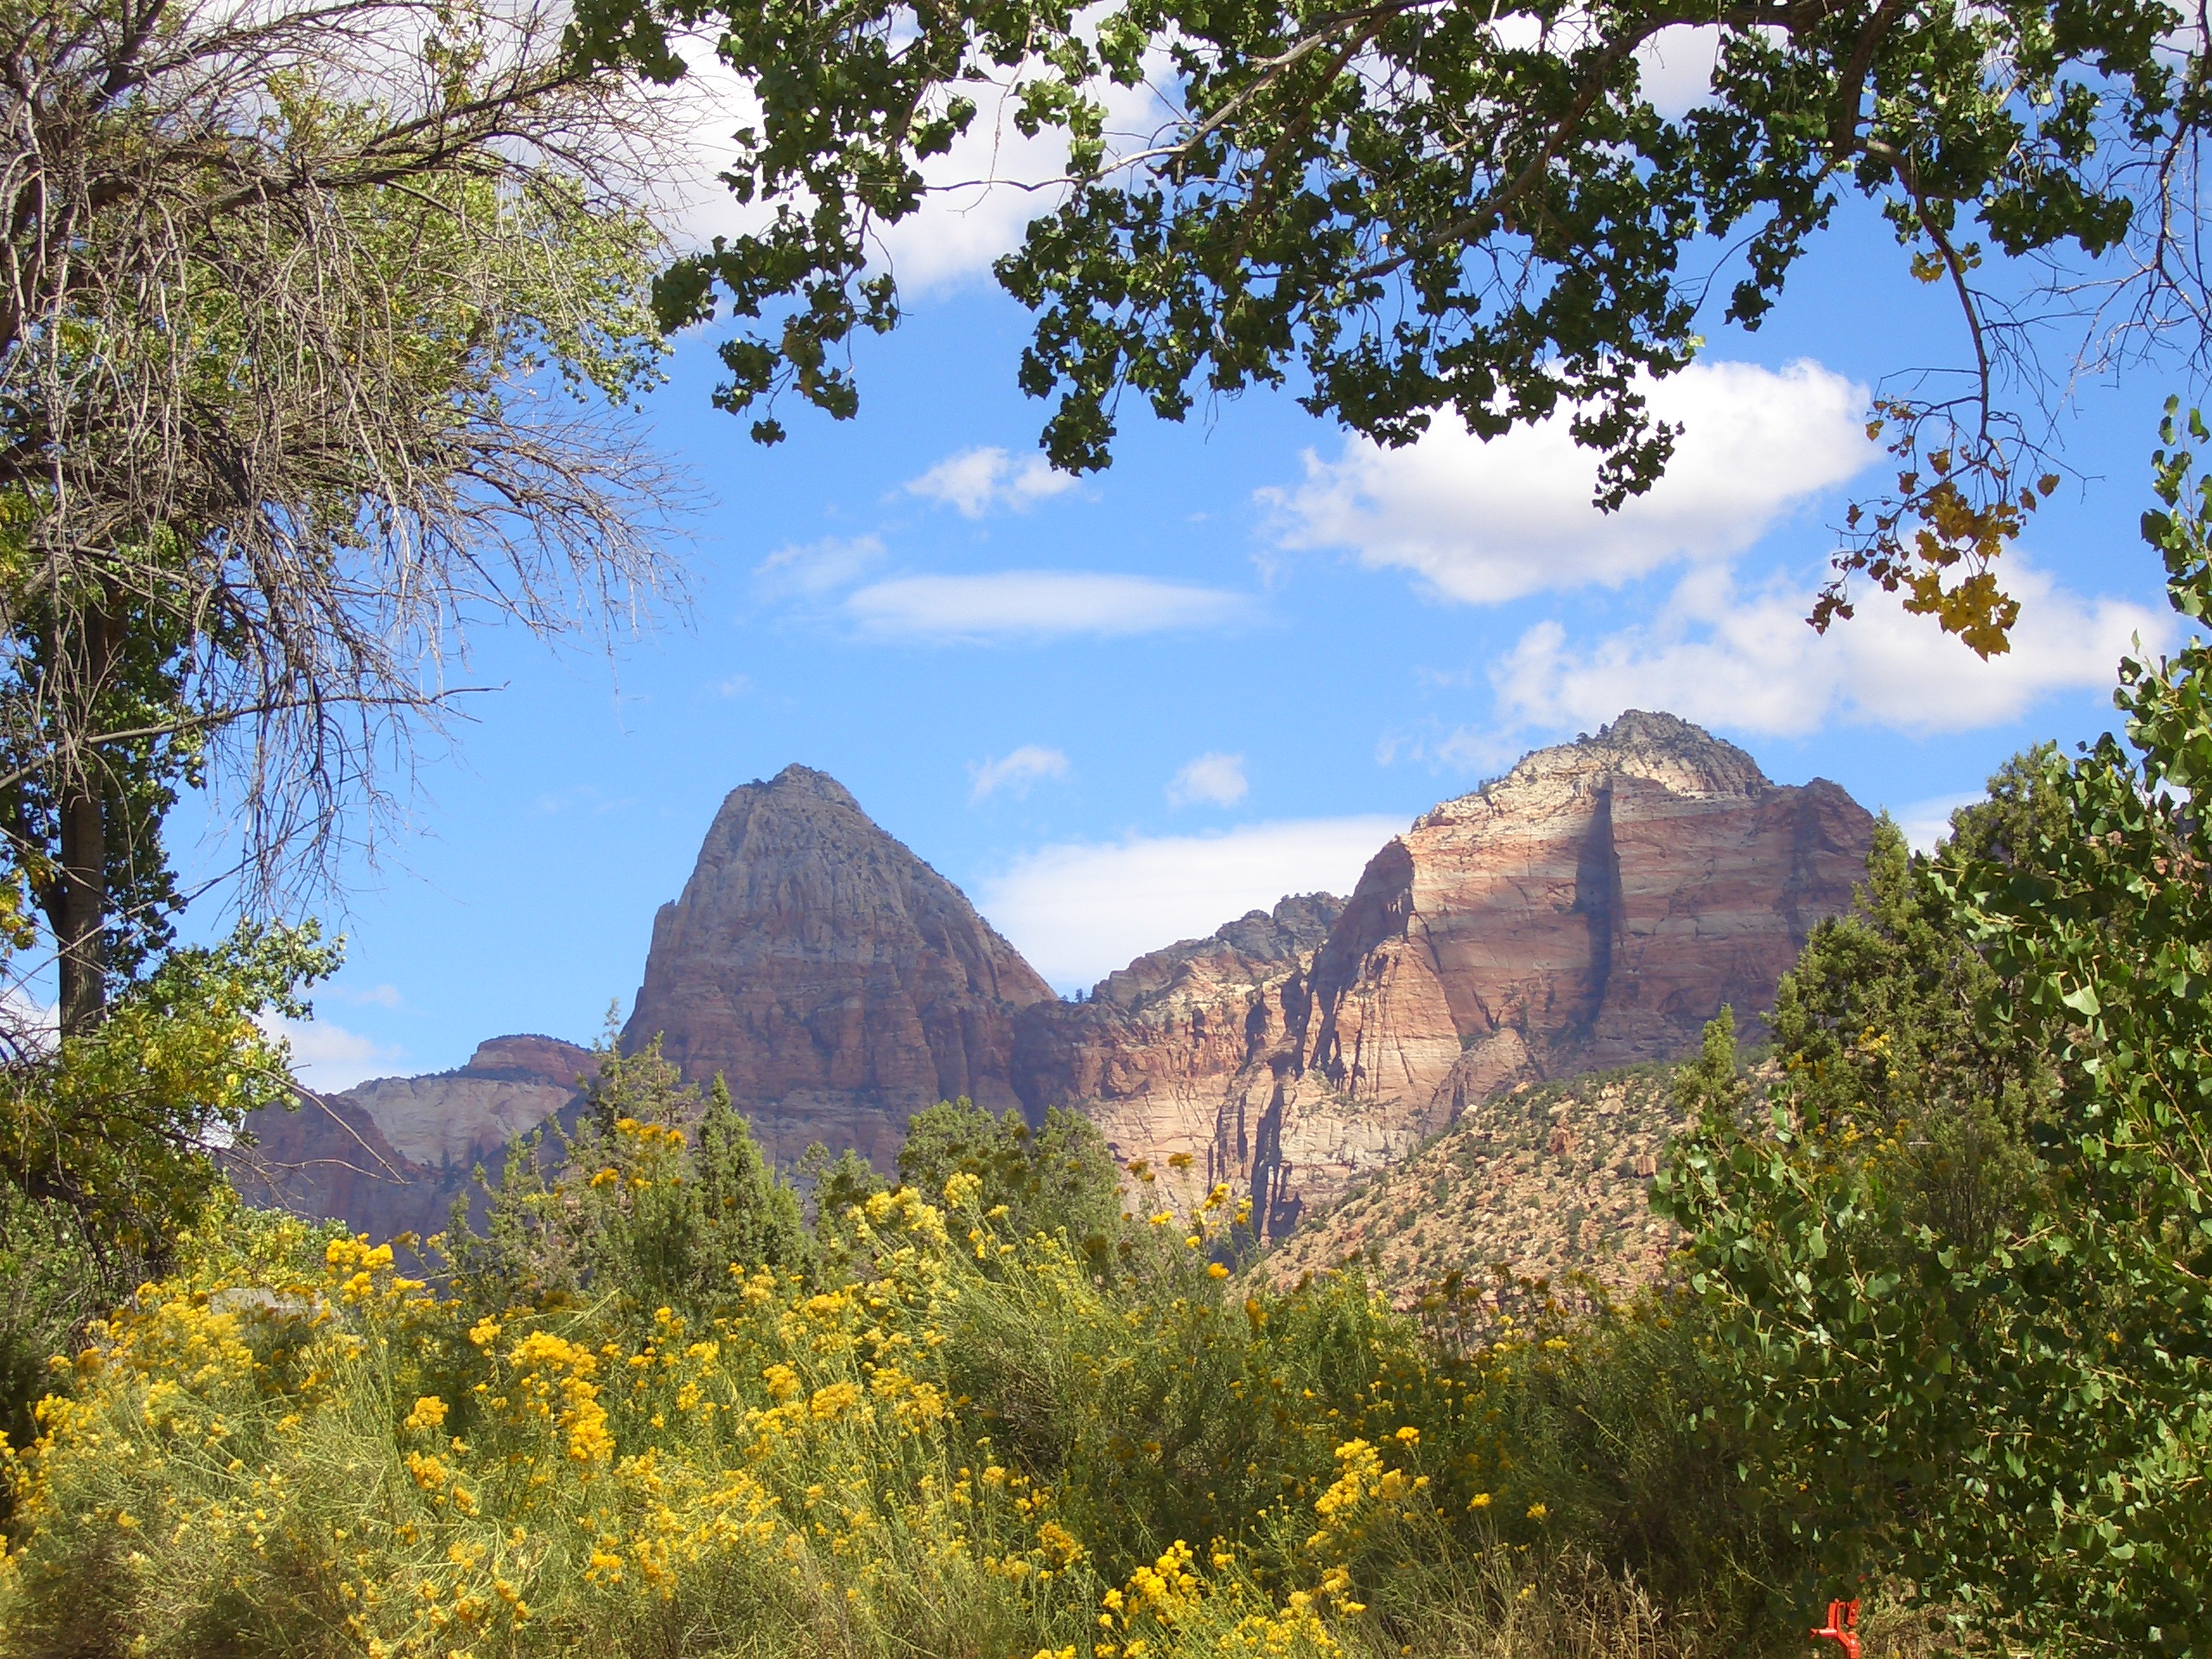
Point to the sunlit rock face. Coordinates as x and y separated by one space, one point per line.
509 1086
838 983
390 1156
1155 1052
1593 908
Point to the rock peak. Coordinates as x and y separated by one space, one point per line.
797 779
836 981
1649 729
1681 758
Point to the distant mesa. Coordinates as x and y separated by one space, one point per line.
390 1156
1590 909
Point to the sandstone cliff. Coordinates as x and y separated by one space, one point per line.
1150 1054
390 1156
838 983
1591 908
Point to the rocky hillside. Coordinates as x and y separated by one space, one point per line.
1591 909
1544 1181
838 983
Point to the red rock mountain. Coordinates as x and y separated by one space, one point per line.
1153 1051
838 983
1591 908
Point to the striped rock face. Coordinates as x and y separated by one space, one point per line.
1592 908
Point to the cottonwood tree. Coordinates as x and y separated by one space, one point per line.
1433 206
316 326
1963 1284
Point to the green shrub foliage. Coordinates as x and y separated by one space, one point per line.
1965 1277
660 1197
1058 1178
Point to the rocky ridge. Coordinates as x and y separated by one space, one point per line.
390 1156
1541 1182
1147 1053
1590 909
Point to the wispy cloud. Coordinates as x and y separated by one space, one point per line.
1214 777
1078 911
1483 522
810 569
364 996
1487 750
1039 605
1016 771
330 1058
976 480
582 797
1747 661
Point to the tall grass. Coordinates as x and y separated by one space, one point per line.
978 1447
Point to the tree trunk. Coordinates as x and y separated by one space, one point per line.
79 917
80 930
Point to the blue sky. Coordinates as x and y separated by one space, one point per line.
1122 709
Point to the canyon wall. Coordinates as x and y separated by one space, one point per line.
1591 908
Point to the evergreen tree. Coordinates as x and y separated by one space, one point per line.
658 1196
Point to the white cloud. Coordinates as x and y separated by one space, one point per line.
808 570
976 480
1487 750
1078 911
1039 605
1028 764
1675 66
980 193
329 1058
1218 778
369 997
27 1022
993 182
1483 522
1925 823
1747 661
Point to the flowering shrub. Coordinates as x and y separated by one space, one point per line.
972 1446
649 1410
335 1457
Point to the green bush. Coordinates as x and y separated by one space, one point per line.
1964 1280
651 1199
